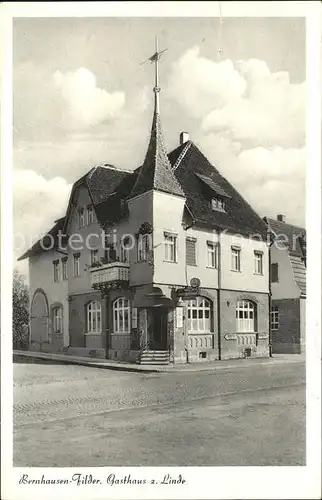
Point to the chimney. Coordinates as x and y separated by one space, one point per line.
281 218
184 137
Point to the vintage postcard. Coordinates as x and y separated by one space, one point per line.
161 250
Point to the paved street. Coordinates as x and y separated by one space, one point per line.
67 415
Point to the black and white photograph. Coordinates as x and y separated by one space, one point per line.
160 299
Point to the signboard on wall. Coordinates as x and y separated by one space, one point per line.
179 317
134 317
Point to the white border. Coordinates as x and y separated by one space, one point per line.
203 482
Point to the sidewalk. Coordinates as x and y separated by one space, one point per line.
109 364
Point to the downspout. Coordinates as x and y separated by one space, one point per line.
218 300
107 324
270 243
184 307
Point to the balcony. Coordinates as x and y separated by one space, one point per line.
111 275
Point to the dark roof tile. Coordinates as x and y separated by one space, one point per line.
239 216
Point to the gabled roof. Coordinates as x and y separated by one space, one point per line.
238 217
107 185
102 182
292 238
156 171
46 241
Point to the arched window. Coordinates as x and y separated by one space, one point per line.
94 317
57 319
199 315
246 316
121 315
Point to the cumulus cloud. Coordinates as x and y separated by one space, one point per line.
271 180
38 202
244 100
85 104
200 85
251 126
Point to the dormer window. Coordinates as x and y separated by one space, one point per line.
218 204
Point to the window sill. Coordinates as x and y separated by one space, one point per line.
93 333
192 265
258 274
235 271
170 261
212 267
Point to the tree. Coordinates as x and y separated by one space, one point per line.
20 311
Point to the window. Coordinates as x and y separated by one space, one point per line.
245 316
212 254
56 270
143 247
218 204
94 317
76 264
57 319
64 266
110 252
258 262
191 252
170 247
90 214
81 217
274 318
274 273
93 257
199 315
125 250
121 315
235 258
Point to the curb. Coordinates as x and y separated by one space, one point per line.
153 369
70 361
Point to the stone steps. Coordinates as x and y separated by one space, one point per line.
154 358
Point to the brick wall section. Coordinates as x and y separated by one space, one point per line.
287 338
229 347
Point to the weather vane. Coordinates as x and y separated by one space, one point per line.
155 59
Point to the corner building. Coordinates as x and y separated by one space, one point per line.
174 268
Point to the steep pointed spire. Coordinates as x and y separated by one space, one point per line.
156 172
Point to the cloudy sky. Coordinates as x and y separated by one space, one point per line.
82 98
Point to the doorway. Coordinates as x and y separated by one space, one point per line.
158 329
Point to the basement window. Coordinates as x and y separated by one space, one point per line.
202 355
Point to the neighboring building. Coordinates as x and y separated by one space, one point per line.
288 286
182 273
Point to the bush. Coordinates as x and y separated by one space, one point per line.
20 312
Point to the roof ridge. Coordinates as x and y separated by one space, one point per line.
113 167
286 224
181 155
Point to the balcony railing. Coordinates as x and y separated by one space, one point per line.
109 275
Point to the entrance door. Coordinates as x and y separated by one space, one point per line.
159 327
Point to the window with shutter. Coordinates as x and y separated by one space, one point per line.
191 252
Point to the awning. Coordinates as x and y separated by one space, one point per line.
152 296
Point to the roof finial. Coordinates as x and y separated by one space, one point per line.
155 59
